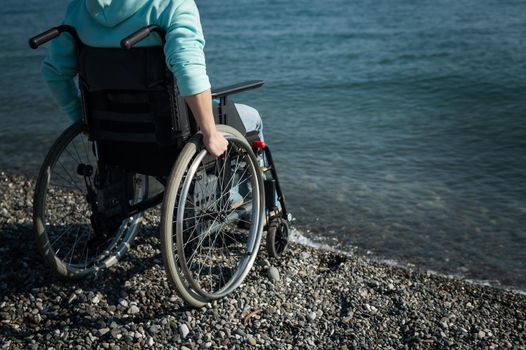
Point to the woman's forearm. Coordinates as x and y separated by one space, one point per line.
201 106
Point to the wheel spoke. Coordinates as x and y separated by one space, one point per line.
70 227
71 180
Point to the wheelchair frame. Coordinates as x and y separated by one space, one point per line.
276 218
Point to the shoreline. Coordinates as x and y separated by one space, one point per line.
301 239
323 299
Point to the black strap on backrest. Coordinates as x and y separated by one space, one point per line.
131 96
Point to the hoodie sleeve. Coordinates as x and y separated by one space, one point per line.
59 69
184 48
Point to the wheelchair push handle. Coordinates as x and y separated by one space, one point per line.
51 34
44 37
132 39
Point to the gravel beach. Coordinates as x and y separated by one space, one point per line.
310 299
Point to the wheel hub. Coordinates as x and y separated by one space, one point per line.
85 170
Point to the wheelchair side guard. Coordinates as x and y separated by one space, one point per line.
227 114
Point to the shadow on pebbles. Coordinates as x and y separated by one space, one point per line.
309 299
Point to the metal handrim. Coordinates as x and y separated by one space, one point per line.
253 238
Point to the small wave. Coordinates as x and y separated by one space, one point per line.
297 236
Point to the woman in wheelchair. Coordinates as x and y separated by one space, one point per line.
143 108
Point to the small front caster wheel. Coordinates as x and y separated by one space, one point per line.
277 238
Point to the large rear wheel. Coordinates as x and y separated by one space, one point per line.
212 219
78 207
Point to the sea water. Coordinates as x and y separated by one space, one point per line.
398 127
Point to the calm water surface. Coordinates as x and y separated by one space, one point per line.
398 127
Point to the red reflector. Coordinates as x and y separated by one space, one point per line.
259 144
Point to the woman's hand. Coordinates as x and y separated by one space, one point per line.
215 143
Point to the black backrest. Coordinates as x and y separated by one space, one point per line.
132 107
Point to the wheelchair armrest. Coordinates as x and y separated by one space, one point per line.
236 88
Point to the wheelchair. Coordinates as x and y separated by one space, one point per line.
95 182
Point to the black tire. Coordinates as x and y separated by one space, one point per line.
206 224
61 212
277 238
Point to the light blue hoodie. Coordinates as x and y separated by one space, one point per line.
104 23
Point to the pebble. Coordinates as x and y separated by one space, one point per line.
273 274
72 298
115 333
358 305
371 308
154 329
443 323
133 310
183 330
363 292
312 315
251 341
241 333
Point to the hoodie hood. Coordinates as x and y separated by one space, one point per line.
110 13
